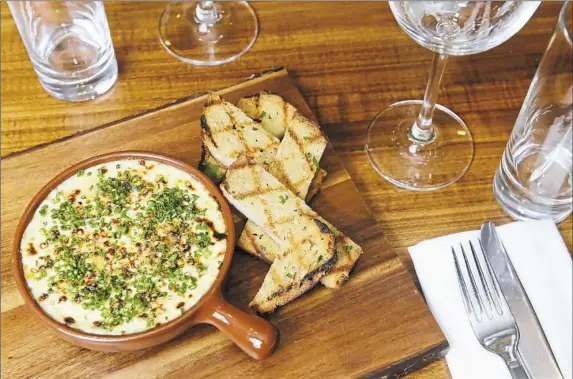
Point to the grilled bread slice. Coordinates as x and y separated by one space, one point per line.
307 245
298 155
228 133
256 242
347 252
270 110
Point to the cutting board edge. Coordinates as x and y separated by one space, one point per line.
411 364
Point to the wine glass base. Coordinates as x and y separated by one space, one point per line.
208 43
419 166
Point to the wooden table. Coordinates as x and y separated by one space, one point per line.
349 60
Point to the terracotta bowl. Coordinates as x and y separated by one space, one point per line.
254 335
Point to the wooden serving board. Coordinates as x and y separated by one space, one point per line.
376 325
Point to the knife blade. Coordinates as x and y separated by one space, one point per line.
532 347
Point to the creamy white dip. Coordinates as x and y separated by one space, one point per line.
123 246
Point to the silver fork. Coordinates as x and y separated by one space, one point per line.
488 312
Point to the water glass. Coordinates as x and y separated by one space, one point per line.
70 46
534 178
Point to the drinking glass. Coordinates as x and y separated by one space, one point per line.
207 33
69 45
421 145
534 178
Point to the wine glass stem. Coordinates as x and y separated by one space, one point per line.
207 12
422 130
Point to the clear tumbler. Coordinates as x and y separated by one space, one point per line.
70 46
534 177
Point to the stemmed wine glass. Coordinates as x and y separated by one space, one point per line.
208 33
421 145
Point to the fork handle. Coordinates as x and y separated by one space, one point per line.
518 372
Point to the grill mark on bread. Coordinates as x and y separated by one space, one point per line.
288 294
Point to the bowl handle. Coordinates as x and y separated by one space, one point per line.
254 335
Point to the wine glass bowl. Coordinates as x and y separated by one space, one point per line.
418 144
462 27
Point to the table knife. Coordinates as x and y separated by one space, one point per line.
533 347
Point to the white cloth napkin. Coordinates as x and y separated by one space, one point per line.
544 267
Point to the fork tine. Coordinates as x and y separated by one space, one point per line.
473 308
462 284
496 293
484 282
474 288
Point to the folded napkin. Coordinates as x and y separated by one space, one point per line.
544 267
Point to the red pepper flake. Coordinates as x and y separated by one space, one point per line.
73 195
62 298
98 323
126 272
142 162
43 297
180 305
31 249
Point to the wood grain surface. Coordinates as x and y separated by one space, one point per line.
349 60
342 328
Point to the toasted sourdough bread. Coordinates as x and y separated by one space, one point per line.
228 133
307 245
256 242
270 110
